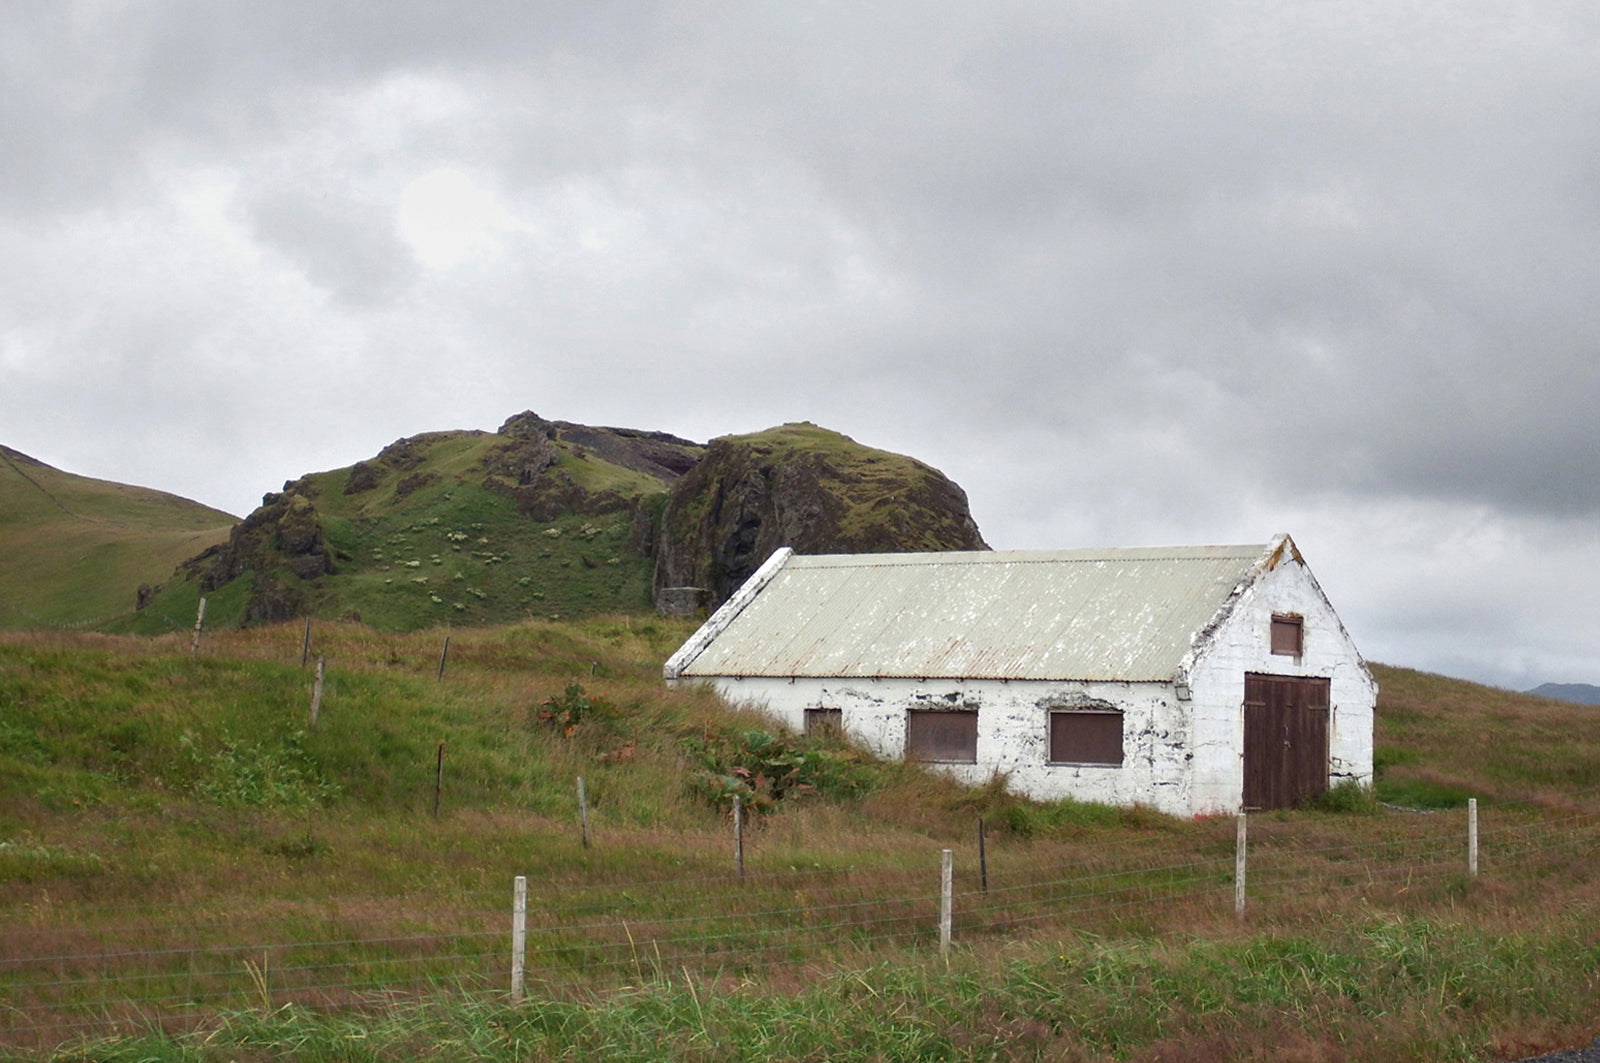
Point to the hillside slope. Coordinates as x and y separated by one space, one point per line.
541 519
75 550
1440 741
554 520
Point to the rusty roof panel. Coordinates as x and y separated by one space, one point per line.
1126 614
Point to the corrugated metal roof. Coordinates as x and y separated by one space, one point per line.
1122 614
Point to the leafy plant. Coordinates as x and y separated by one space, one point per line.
567 710
757 767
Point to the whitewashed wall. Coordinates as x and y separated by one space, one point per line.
1215 671
1183 743
1012 730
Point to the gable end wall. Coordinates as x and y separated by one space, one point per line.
1240 644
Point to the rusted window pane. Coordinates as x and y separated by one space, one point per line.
824 721
1287 635
1086 738
947 737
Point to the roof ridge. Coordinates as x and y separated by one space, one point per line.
1043 556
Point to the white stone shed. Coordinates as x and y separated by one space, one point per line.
1192 680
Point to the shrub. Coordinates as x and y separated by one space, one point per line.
757 767
567 710
260 775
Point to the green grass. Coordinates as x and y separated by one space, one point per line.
472 559
1379 989
150 803
455 553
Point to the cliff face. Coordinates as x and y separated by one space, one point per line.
806 488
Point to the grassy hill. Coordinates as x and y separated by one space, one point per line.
73 550
538 520
184 813
1441 740
435 539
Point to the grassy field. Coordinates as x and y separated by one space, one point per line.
189 871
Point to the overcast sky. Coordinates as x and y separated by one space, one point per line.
1131 273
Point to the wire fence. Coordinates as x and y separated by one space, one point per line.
70 971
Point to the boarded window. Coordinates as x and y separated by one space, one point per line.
944 737
1288 632
824 722
1086 738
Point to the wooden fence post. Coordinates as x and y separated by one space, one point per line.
738 834
1239 866
1472 837
519 935
946 889
305 643
316 697
983 859
438 780
199 622
583 812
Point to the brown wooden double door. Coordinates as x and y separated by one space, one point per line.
1285 739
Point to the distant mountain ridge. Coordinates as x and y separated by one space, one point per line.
540 518
1581 693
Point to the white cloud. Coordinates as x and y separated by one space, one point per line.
447 219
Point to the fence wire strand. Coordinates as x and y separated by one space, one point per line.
70 971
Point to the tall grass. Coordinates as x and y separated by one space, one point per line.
174 827
1379 988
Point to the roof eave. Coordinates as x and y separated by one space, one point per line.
718 621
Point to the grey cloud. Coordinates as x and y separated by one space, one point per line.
1126 271
340 243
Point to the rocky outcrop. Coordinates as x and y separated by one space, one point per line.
283 536
526 467
806 488
363 477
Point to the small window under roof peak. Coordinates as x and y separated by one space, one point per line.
1288 634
